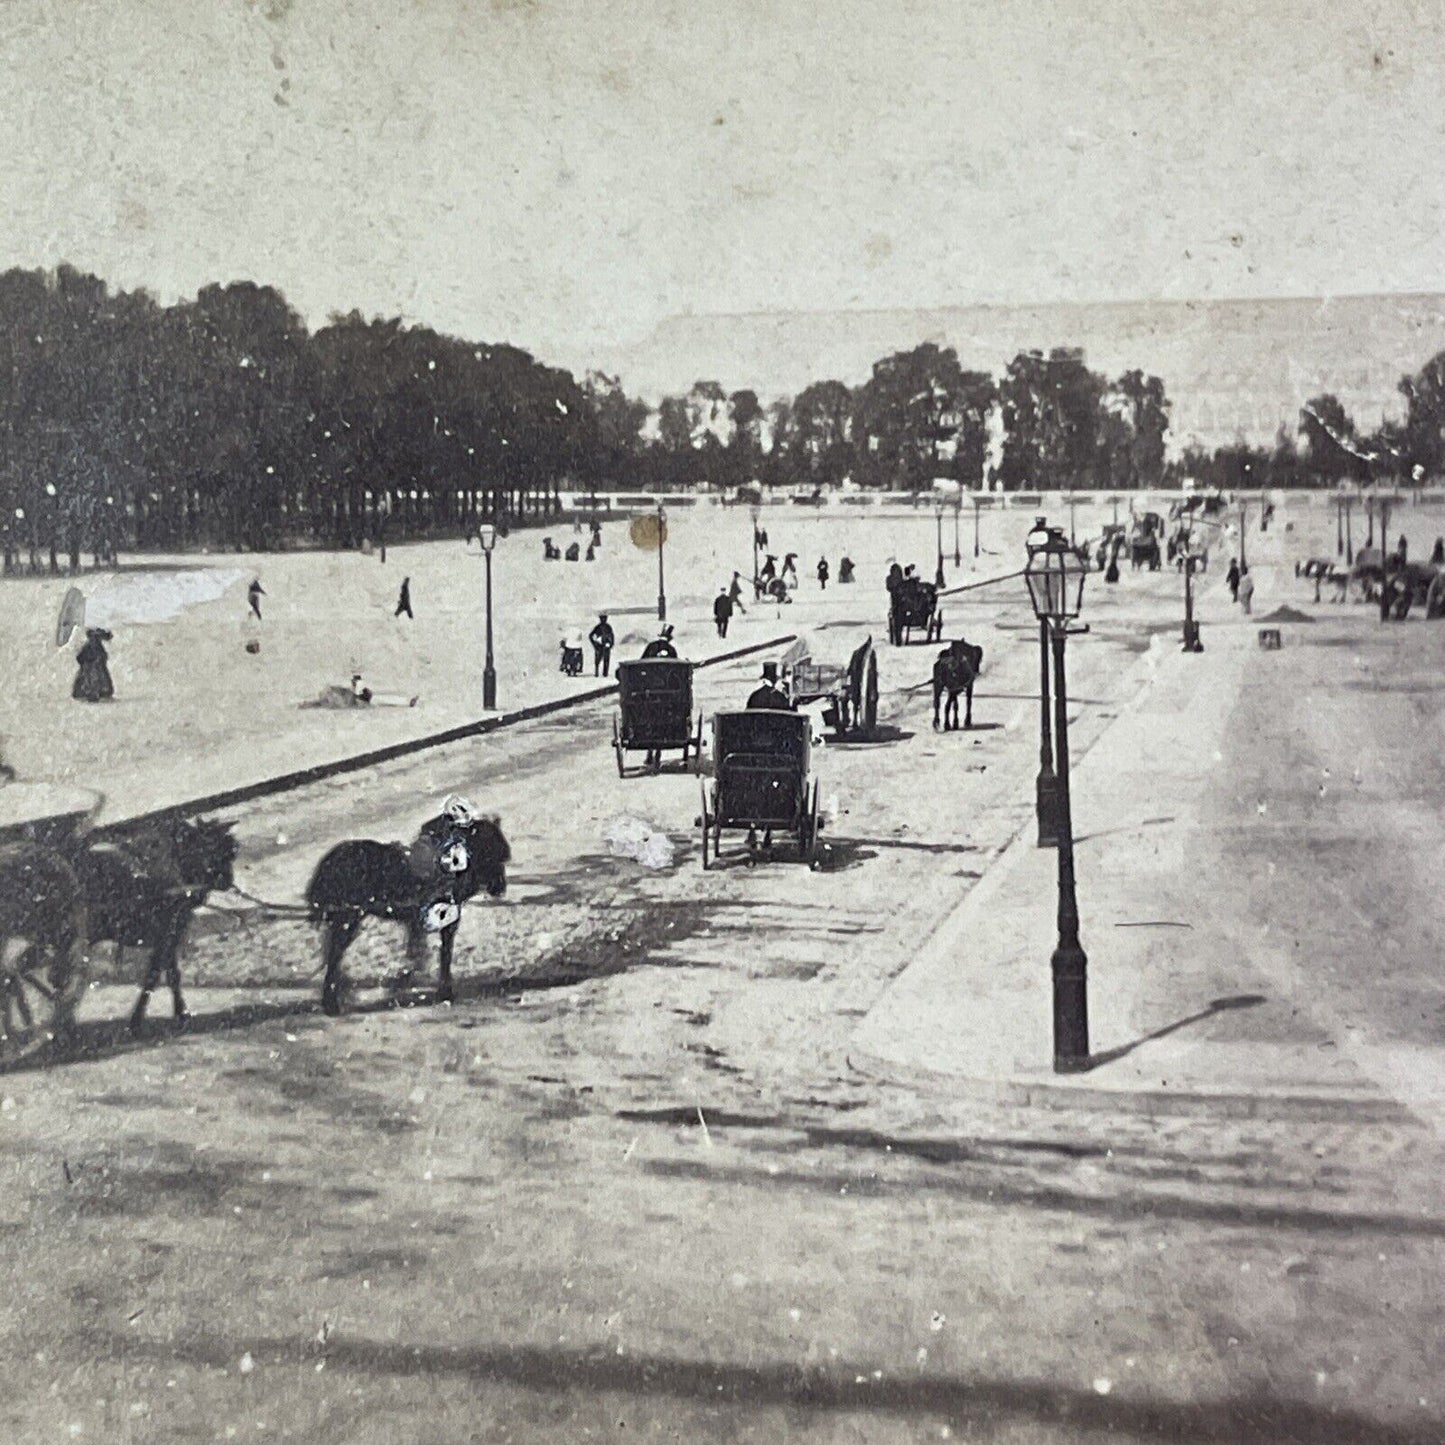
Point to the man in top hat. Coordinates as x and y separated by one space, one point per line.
661 646
768 694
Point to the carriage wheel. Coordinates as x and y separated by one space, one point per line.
870 697
617 745
697 748
705 820
38 995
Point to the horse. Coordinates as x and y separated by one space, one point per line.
421 886
954 672
43 928
142 887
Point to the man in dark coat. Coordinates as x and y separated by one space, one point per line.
92 681
661 646
768 694
603 640
1232 577
403 601
722 612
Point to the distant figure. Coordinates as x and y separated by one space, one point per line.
92 680
661 645
403 600
895 579
768 694
254 593
596 535
1437 557
845 571
592 551
823 573
551 552
760 539
1246 590
1402 551
571 664
574 552
1232 577
722 612
770 568
603 640
790 567
360 692
735 593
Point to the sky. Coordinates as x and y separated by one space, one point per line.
564 174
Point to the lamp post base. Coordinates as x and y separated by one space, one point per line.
1071 1009
489 689
1047 809
1191 638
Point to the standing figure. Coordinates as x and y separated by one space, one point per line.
1402 551
770 569
403 601
845 571
603 640
1246 590
596 535
1437 557
760 539
790 567
592 551
768 694
722 612
735 593
823 573
1232 577
92 680
254 593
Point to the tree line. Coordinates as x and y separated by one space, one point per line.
223 421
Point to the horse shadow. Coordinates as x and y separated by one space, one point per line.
880 736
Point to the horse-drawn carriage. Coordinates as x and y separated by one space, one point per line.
655 712
850 690
1144 550
761 783
913 605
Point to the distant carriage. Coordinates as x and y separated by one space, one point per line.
914 607
654 712
850 690
761 784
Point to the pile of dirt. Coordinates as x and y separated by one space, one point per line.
1287 614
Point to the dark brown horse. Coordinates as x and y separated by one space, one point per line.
955 671
423 887
142 886
42 946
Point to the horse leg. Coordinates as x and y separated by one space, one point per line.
154 964
174 940
337 933
968 704
444 968
950 713
937 696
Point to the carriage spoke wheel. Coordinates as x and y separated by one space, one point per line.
37 1002
870 697
706 823
617 745
809 831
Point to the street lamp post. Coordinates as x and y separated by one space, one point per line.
1339 525
1046 786
1243 528
1055 578
977 504
1349 537
1191 627
1370 515
487 534
957 511
938 515
756 513
661 588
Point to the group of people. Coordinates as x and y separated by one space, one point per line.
551 552
1241 585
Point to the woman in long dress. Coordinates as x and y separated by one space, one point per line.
92 680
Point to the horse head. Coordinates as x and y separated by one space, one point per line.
206 852
490 854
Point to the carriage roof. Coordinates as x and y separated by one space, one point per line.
762 730
654 675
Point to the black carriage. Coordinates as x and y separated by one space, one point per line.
850 690
761 783
655 712
913 606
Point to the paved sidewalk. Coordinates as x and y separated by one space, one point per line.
1181 1015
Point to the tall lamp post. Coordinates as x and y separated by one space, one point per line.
1046 787
977 503
1349 535
756 513
1243 528
1339 524
1191 627
487 534
957 512
1055 578
938 514
661 539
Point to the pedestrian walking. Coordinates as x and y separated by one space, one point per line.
1246 590
823 573
403 600
254 593
1402 551
92 680
790 567
1437 557
735 592
1232 577
722 612
603 640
